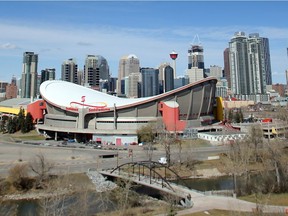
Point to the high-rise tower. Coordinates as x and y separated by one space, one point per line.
29 75
150 82
127 65
69 71
196 57
168 84
249 64
95 68
227 67
47 74
166 77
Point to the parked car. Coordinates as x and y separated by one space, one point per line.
163 160
98 147
71 141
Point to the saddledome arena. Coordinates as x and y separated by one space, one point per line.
76 112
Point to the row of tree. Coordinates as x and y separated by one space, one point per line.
20 122
261 164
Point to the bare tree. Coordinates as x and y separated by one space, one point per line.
255 137
275 159
167 143
41 167
125 196
237 162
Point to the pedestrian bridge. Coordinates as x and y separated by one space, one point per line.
154 175
158 176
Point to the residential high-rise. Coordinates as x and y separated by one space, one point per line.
47 74
239 69
69 71
127 65
29 75
249 64
150 82
267 62
95 68
227 67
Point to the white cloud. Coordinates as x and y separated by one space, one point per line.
6 46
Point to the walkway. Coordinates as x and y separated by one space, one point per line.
200 202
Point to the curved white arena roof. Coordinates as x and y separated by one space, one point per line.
67 94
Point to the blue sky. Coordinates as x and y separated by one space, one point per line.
58 30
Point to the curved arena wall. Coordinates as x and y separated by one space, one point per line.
195 101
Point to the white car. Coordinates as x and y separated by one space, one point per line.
163 160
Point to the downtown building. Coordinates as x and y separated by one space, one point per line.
47 74
132 83
96 72
196 57
128 65
149 82
166 78
29 75
196 68
250 67
227 67
69 71
11 89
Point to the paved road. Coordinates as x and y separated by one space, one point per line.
80 159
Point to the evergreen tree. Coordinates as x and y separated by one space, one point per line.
3 124
146 133
28 124
20 120
11 125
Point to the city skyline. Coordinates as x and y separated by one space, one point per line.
57 31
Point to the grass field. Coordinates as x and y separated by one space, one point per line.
18 136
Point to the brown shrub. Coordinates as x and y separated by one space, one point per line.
18 177
4 187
